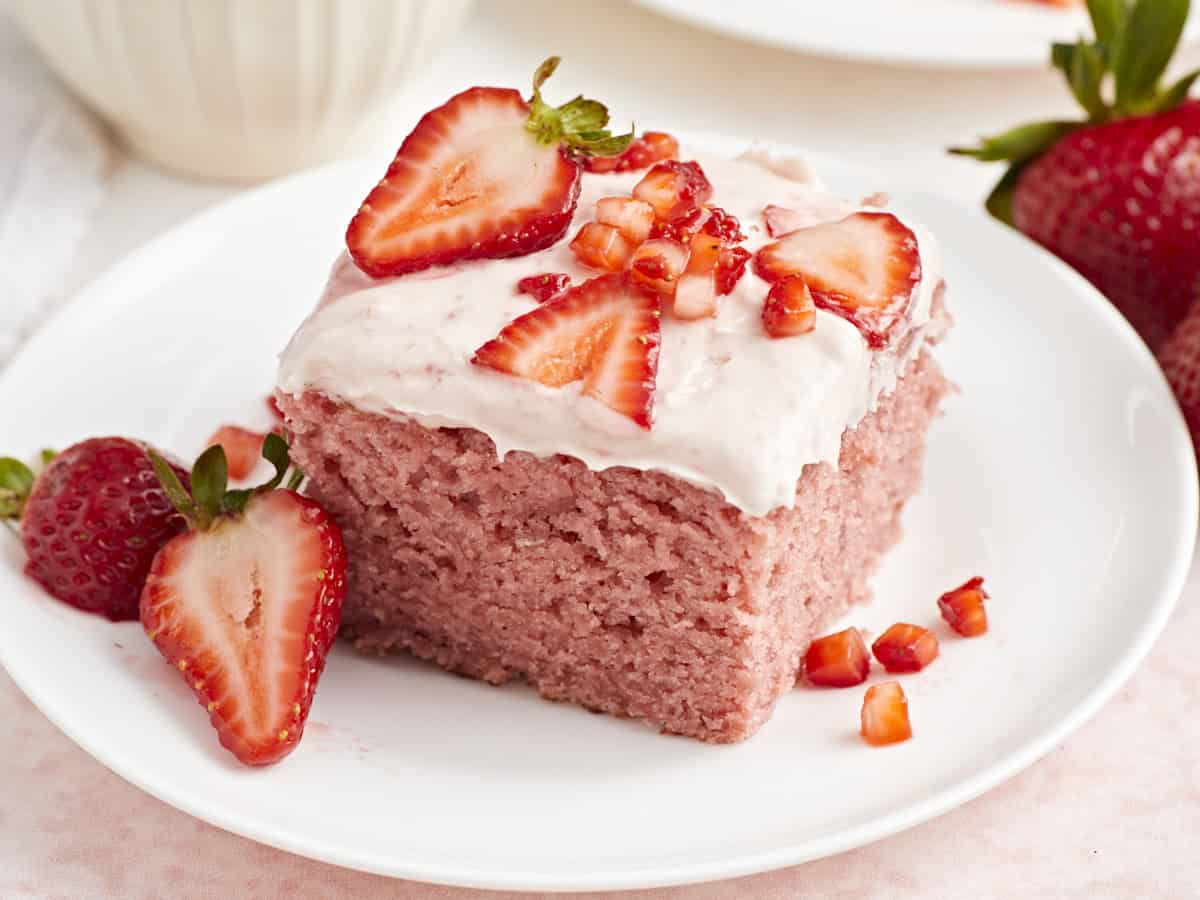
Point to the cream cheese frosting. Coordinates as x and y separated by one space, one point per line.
735 411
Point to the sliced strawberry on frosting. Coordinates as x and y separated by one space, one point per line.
487 174
865 268
604 332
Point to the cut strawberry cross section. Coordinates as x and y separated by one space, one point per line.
485 175
604 332
865 268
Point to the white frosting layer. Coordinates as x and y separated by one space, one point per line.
735 410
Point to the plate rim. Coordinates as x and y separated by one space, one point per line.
868 832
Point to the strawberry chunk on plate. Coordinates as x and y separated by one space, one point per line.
884 717
905 648
604 332
242 448
865 268
837 660
963 608
486 174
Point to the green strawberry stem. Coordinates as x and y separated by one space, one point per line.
578 125
1134 43
16 483
210 498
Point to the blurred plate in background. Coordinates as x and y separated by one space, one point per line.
950 33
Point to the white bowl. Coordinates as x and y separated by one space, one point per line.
239 89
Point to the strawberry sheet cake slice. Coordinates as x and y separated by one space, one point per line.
627 422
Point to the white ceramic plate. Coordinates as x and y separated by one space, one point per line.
1062 472
950 33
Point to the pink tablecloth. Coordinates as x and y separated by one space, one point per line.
1114 813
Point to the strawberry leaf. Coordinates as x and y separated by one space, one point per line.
1019 144
1085 72
1177 93
1145 47
1108 19
210 477
577 125
1000 201
16 481
173 487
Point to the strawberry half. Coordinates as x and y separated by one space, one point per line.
1115 192
247 602
865 268
605 332
485 175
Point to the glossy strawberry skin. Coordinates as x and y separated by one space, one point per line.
1121 203
837 660
93 522
905 648
175 638
499 233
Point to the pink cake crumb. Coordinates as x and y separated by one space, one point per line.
628 592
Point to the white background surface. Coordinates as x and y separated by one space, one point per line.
1114 813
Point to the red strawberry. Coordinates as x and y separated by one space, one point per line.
885 715
642 152
837 660
484 175
682 228
632 218
865 268
789 309
963 608
602 247
545 286
243 449
247 602
721 224
91 522
657 265
1117 194
731 265
674 189
905 648
604 332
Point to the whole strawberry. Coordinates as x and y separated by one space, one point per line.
247 602
1116 195
91 522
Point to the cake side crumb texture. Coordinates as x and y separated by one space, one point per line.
628 592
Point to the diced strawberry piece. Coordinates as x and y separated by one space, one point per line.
695 296
544 287
905 648
605 332
705 252
781 220
632 218
470 181
722 225
644 151
683 228
243 448
789 309
963 608
674 188
657 264
865 268
602 247
885 715
837 660
731 266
